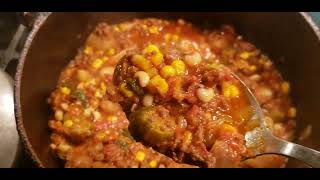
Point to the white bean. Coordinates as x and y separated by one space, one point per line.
193 59
205 94
107 71
147 100
143 78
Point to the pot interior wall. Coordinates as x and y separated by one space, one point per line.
286 37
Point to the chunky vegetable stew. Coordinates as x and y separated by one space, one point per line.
162 94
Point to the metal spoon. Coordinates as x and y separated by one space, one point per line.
261 141
9 143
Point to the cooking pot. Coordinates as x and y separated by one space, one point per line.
292 41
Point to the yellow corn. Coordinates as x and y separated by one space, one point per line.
228 128
230 90
88 50
187 137
58 115
65 90
152 72
292 112
101 136
116 29
151 48
153 30
97 63
167 71
140 156
103 87
245 55
175 37
105 58
253 68
98 94
64 147
157 56
141 62
153 163
179 66
125 91
68 123
83 75
111 52
167 37
112 118
285 86
157 83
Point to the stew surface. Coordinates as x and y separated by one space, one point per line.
157 93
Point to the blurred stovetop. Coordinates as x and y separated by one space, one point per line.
8 26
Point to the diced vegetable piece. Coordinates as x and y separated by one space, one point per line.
140 155
58 115
285 86
97 63
179 66
245 55
229 90
193 59
65 90
153 30
143 78
292 112
80 95
158 84
205 94
124 90
145 123
147 100
83 75
133 85
141 62
153 163
68 123
167 71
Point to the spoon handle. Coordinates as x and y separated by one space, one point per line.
304 154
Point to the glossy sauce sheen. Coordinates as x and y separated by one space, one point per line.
189 112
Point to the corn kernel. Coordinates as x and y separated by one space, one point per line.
285 86
153 163
140 156
228 128
105 58
151 48
153 30
157 59
65 90
88 50
141 62
253 68
87 112
292 112
97 63
245 55
103 87
125 91
187 137
98 94
179 66
83 75
230 90
111 52
58 115
159 84
116 29
167 37
100 52
175 37
167 71
152 72
68 123
64 147
112 118
101 136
